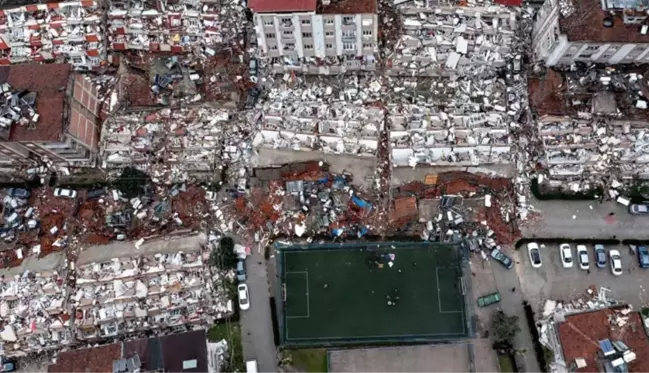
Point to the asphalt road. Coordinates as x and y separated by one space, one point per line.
256 324
512 304
584 219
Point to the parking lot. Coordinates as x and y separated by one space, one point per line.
553 281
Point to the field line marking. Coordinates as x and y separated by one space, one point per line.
308 300
439 297
381 336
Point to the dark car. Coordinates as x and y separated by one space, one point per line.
600 256
253 95
96 193
253 67
19 192
502 258
639 209
643 256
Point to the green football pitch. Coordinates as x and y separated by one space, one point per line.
349 295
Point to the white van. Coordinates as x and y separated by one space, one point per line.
251 366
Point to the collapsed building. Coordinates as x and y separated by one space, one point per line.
31 31
172 27
317 36
443 40
593 123
610 32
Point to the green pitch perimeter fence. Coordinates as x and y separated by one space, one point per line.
378 292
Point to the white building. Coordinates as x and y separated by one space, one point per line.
318 38
607 31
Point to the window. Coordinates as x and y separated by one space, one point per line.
286 20
367 33
367 45
308 46
348 20
329 21
287 32
270 36
329 46
592 48
606 56
568 55
289 45
329 33
306 21
307 35
269 22
349 34
349 46
273 47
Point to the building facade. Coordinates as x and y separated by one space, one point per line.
335 35
607 32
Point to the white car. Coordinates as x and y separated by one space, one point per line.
616 262
566 255
244 301
582 256
535 254
68 193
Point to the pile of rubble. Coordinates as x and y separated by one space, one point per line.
16 107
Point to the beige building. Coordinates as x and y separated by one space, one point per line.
317 37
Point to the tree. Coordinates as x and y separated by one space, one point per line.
504 328
132 182
224 257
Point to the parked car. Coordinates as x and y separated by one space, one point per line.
535 254
68 193
18 192
244 301
600 256
489 299
253 67
96 193
241 271
502 258
639 209
616 262
566 255
643 256
582 257
8 365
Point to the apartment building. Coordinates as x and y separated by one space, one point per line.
609 32
64 107
34 32
315 36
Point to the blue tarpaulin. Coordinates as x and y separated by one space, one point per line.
337 232
360 203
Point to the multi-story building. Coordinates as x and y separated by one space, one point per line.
313 36
610 32
64 126
34 32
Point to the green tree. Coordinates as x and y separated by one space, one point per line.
224 257
504 327
132 182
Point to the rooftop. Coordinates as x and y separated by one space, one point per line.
586 23
606 92
164 353
348 7
580 335
278 6
50 98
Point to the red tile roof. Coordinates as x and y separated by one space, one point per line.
580 335
348 7
96 359
50 83
586 23
272 6
509 2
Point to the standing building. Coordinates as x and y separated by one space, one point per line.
609 32
315 36
57 120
